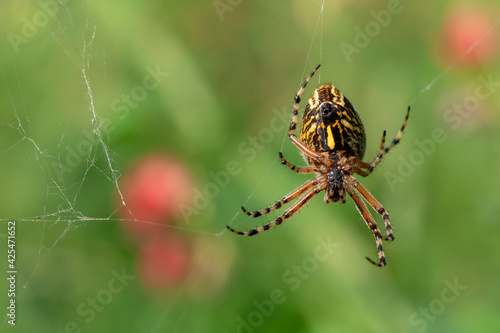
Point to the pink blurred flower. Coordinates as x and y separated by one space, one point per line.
153 189
465 26
163 261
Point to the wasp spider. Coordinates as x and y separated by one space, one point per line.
332 140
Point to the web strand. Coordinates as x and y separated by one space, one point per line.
453 64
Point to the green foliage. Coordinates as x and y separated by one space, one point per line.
233 70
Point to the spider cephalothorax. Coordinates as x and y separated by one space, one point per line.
332 140
335 190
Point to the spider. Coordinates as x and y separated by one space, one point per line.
332 141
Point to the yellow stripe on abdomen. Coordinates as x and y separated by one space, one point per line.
330 140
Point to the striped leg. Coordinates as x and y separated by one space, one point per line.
382 144
294 168
363 211
296 104
291 131
383 150
376 205
306 150
286 199
287 214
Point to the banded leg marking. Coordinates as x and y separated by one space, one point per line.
286 199
295 168
376 205
383 150
363 211
296 104
287 214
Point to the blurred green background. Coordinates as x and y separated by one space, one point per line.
233 67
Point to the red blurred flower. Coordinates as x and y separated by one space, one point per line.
465 26
153 189
163 261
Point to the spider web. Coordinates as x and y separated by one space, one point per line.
61 205
62 213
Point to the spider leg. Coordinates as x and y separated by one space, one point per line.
306 150
293 125
382 143
287 198
383 150
294 168
376 205
287 214
363 211
296 104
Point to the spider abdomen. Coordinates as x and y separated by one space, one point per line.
330 124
